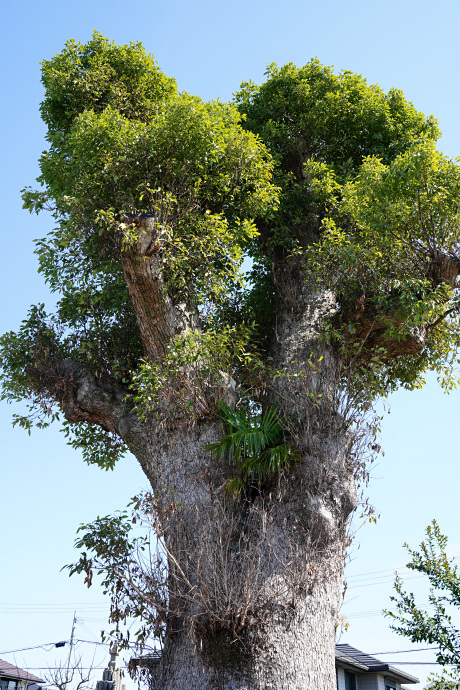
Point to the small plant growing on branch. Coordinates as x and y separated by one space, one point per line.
255 446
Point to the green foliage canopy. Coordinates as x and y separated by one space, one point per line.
367 206
123 142
317 125
319 178
401 222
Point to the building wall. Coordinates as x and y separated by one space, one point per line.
10 683
368 682
340 679
381 683
364 681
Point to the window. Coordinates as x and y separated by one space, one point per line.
390 684
350 681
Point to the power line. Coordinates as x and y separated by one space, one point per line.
51 645
64 603
404 651
373 612
59 668
96 668
64 606
387 570
98 606
54 644
418 663
377 575
382 582
38 646
107 644
375 572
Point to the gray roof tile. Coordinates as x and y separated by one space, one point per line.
350 656
13 672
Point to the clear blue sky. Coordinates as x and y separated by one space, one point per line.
46 490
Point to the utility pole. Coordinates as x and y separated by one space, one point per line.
70 650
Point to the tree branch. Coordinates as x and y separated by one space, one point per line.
83 396
159 319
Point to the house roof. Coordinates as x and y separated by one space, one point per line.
350 657
14 673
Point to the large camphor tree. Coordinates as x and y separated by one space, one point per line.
247 399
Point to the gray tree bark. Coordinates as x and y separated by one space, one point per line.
255 594
255 582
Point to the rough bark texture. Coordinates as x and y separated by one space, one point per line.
85 397
444 267
262 589
263 614
296 652
254 582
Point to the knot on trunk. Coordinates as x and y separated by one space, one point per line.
82 396
444 267
371 329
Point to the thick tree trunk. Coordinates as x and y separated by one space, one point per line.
254 581
291 650
255 601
